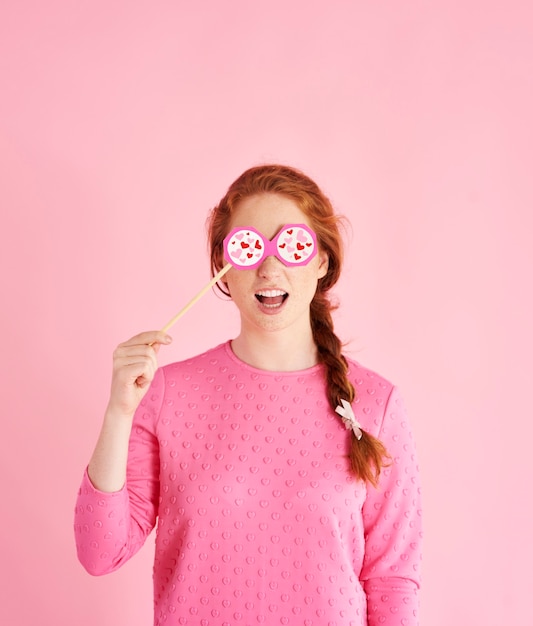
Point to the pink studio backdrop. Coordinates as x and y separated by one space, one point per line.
121 124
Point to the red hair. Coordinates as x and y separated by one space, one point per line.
367 455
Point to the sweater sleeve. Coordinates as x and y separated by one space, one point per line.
392 522
110 528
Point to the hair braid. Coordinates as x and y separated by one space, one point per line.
367 455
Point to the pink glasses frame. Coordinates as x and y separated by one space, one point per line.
246 248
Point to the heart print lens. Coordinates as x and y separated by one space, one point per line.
245 248
296 244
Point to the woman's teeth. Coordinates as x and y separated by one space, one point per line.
271 297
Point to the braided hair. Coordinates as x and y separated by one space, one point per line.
367 455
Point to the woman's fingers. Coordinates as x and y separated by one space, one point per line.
134 367
148 338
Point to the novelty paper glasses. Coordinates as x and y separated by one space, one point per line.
246 248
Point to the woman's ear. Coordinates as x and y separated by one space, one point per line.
323 265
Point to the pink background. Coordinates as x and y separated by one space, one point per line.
122 123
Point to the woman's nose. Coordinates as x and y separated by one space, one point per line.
271 266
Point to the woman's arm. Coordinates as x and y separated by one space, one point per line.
392 520
116 507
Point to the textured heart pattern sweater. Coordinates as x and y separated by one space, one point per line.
259 520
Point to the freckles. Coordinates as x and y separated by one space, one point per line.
239 283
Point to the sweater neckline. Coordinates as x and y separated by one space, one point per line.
307 371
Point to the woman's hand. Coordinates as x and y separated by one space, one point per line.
134 367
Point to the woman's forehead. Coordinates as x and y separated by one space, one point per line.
268 213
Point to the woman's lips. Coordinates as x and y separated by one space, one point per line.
271 298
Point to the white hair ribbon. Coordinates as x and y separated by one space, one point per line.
348 418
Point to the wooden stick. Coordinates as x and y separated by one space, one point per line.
210 284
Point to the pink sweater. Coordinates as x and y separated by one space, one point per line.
259 520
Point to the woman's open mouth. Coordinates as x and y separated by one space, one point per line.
271 298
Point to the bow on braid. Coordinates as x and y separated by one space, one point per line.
367 455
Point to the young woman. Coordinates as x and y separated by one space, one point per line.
281 475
